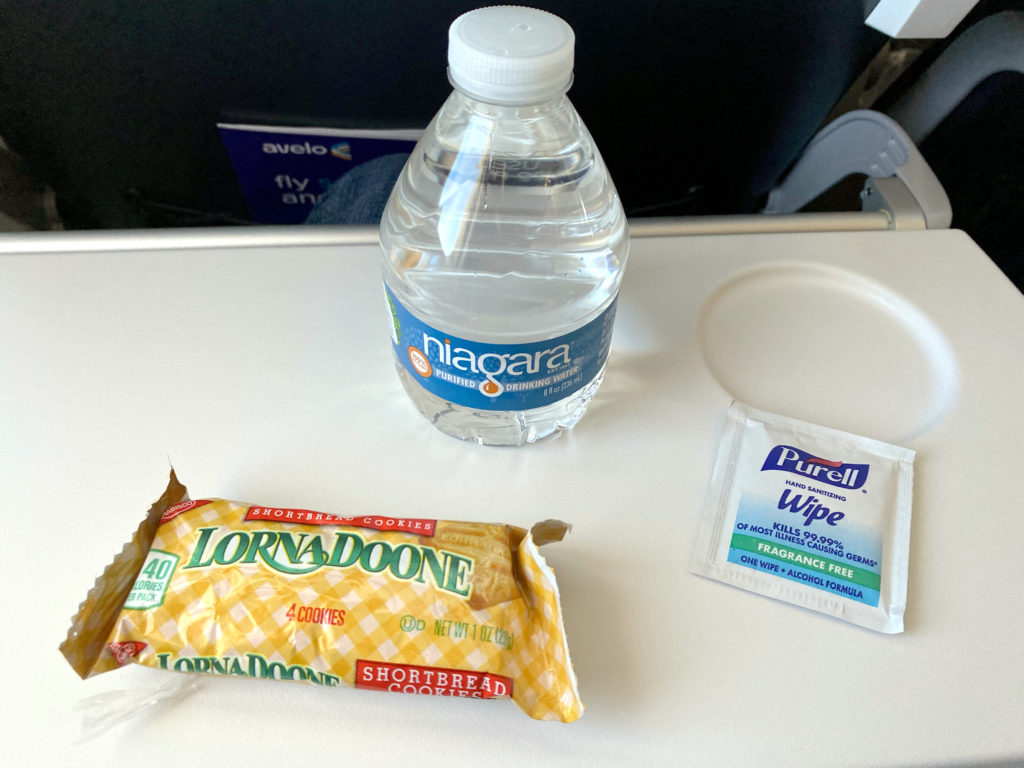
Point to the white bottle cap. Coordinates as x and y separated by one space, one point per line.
507 54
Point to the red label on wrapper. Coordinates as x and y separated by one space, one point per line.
125 652
184 506
435 681
309 517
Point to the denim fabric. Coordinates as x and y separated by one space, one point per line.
360 195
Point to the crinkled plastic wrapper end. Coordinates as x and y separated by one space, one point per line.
397 604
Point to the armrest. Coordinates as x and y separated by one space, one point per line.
869 143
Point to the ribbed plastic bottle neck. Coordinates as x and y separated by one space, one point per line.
552 104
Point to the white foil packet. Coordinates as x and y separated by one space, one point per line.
809 515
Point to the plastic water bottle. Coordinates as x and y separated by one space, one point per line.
504 240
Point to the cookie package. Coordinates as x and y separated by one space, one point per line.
397 604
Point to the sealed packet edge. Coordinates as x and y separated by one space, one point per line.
536 538
92 623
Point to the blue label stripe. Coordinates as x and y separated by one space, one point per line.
499 377
838 587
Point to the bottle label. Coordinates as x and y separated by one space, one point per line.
499 377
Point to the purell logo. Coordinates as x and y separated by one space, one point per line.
786 458
490 364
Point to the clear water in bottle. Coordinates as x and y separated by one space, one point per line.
504 244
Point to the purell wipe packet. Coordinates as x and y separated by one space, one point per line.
809 515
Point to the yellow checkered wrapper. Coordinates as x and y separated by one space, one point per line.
397 604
